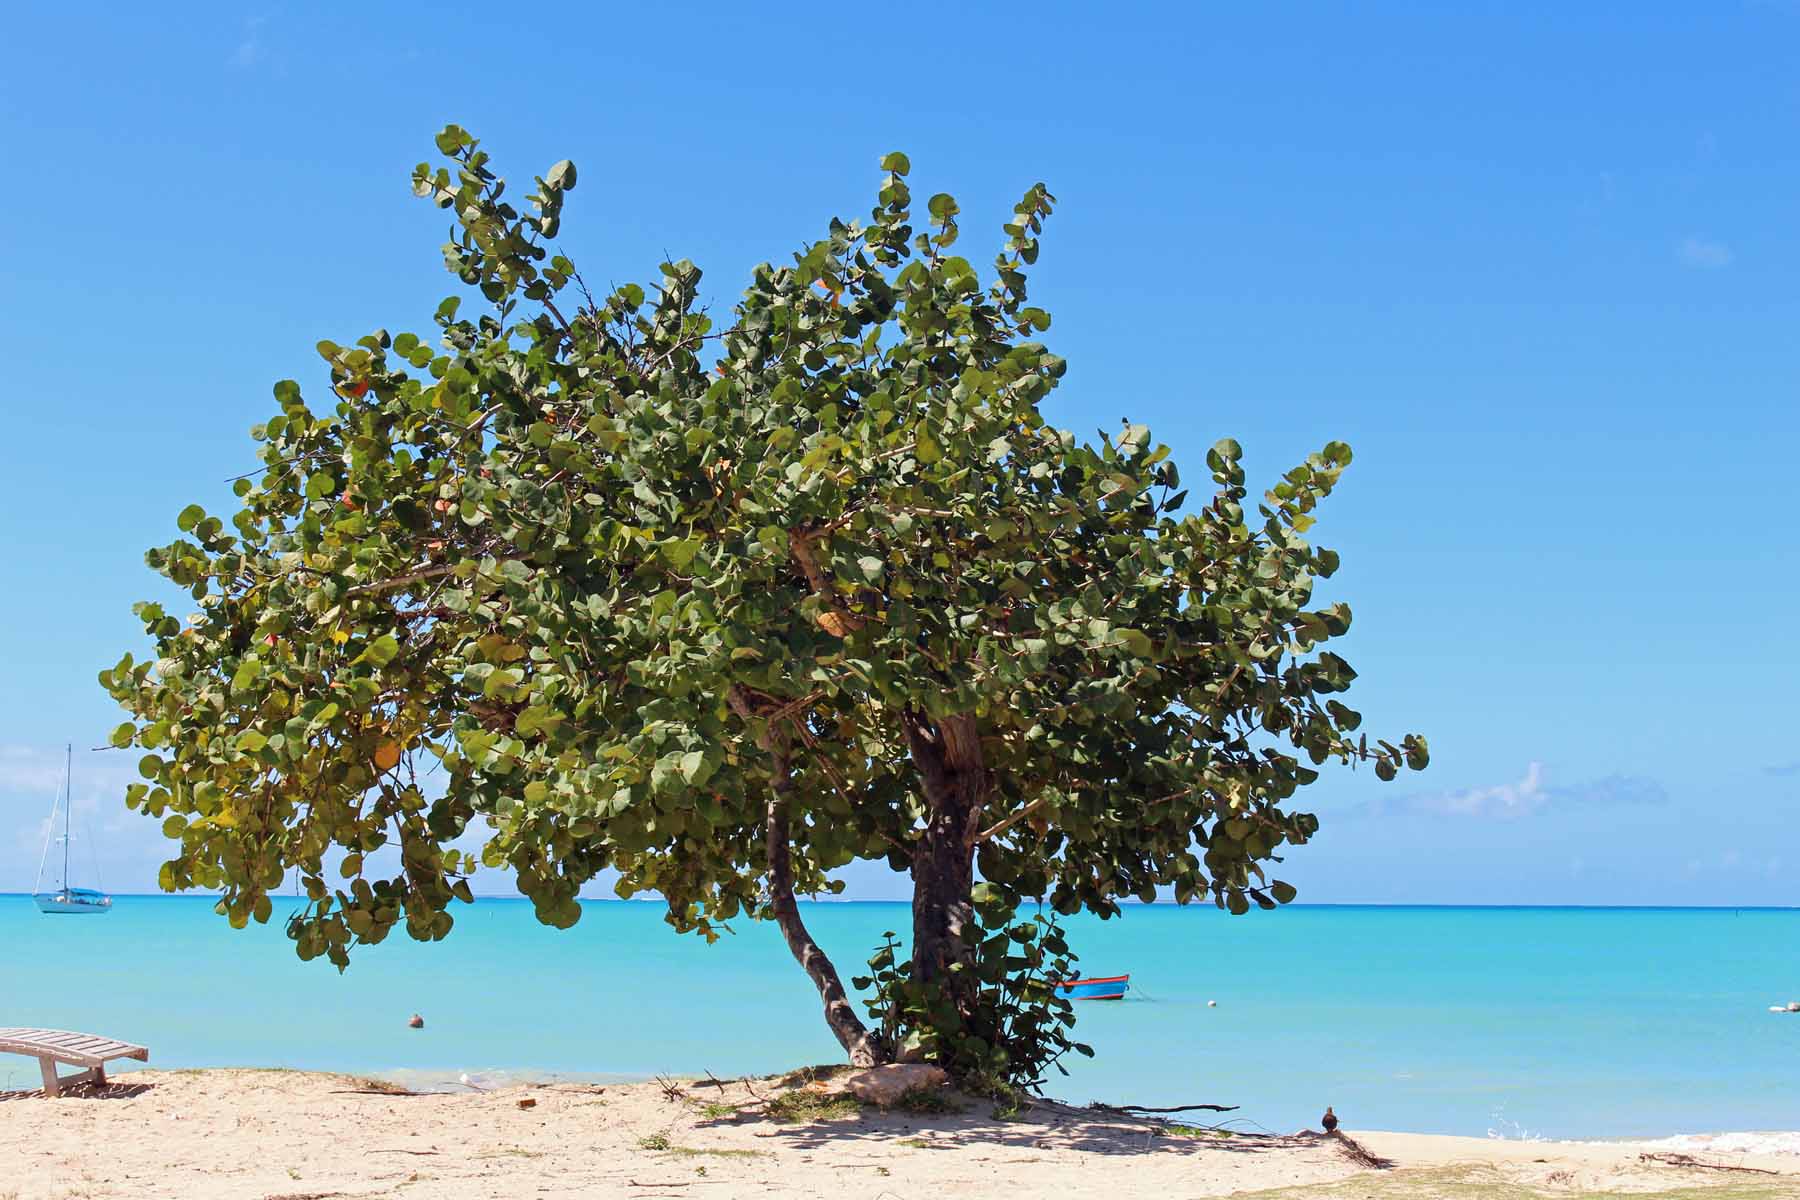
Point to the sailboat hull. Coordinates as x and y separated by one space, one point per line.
72 901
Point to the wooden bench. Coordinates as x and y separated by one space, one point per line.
52 1046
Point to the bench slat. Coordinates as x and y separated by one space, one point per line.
82 1049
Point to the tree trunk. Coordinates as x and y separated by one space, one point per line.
849 1030
952 775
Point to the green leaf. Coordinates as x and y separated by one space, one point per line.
1136 641
926 450
681 552
189 517
380 652
694 767
896 162
249 670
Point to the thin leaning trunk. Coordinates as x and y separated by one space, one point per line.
849 1030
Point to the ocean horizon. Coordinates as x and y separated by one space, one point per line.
1564 1022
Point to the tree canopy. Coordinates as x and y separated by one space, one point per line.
726 606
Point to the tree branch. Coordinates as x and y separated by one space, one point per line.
382 585
1000 827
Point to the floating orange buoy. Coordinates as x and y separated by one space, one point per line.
416 1022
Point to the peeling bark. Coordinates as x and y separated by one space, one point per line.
836 620
954 778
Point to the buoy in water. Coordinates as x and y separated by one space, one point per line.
415 1022
1212 1004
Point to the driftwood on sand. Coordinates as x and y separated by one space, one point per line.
1698 1164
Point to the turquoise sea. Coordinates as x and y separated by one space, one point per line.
1560 1023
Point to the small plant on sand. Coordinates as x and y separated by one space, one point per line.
1192 1131
655 1141
1009 1103
802 1106
914 1143
823 1073
1017 1027
716 1111
927 1102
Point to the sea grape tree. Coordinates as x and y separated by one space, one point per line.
723 607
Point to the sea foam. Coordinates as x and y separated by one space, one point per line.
1732 1143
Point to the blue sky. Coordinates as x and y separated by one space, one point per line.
1536 263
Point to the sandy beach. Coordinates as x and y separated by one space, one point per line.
282 1135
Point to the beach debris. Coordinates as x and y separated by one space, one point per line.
1179 1108
1697 1164
528 1102
883 1086
1329 1121
1358 1153
415 1022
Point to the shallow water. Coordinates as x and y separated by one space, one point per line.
1561 1023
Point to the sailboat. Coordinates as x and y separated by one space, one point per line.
66 899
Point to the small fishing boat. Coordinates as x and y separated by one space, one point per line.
1112 987
66 899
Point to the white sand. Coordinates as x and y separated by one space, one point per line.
274 1135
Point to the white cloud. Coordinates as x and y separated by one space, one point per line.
1530 793
1703 254
1505 799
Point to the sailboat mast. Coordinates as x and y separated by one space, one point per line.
68 804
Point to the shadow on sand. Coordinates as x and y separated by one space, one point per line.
110 1090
